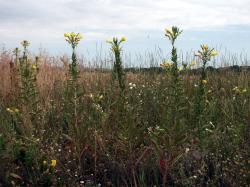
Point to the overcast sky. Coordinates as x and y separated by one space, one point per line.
43 22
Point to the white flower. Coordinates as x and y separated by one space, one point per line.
211 124
208 130
150 129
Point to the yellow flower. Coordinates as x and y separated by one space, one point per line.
53 163
166 64
204 81
9 110
193 63
205 47
214 53
206 53
244 91
12 110
116 44
66 34
123 39
169 31
236 90
16 110
45 162
101 96
180 68
34 67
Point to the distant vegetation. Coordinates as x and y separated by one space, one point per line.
180 124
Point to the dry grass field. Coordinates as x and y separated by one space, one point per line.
62 124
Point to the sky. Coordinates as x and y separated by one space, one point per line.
223 24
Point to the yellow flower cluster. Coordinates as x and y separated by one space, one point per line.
52 164
237 90
116 40
12 110
73 38
172 33
115 43
206 53
166 64
34 67
169 64
204 81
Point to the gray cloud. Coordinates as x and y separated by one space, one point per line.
47 20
